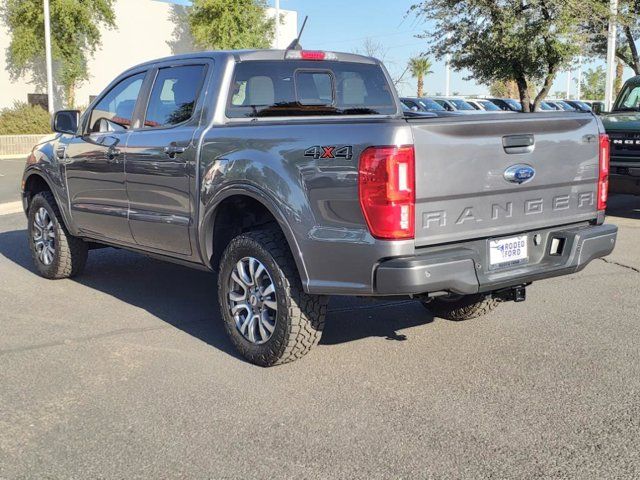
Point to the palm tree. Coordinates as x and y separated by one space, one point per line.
420 67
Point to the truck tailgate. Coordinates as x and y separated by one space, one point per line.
462 190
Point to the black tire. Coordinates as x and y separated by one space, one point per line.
461 307
299 319
69 253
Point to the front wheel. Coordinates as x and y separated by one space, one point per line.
268 317
461 307
56 253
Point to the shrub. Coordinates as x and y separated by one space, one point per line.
24 119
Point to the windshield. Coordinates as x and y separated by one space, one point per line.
545 106
513 104
461 105
582 105
430 105
565 105
629 99
489 106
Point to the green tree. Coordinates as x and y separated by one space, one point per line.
593 84
75 35
420 67
230 24
502 40
628 30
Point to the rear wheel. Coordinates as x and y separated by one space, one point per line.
461 307
56 253
268 316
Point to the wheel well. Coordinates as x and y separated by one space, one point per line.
35 184
235 215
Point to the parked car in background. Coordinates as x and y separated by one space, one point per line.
507 104
623 126
597 106
545 107
414 113
561 105
483 105
579 105
454 104
554 105
422 104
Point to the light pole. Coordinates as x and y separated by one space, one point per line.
277 24
579 89
447 71
47 49
611 54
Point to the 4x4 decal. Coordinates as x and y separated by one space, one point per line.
329 151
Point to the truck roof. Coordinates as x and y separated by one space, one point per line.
247 55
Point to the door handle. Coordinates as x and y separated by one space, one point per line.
518 143
173 150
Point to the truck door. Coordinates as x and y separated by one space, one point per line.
94 164
161 159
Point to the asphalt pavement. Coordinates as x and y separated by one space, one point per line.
125 372
10 175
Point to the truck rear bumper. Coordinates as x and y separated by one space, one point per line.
463 269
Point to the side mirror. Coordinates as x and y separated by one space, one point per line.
597 108
65 121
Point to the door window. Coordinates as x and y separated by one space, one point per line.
115 110
174 95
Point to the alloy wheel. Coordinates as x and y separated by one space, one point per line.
44 236
252 300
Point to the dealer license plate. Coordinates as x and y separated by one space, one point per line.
504 252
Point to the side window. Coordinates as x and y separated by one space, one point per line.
174 95
115 110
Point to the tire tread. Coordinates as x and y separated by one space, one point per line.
306 313
71 252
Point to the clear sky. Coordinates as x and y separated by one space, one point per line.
344 25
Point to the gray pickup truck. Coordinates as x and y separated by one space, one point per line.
295 175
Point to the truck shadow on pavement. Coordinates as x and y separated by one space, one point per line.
187 299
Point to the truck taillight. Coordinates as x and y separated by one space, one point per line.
386 181
603 175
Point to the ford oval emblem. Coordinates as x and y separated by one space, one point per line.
519 174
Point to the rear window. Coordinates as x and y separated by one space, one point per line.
299 88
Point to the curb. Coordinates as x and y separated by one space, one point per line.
10 208
15 156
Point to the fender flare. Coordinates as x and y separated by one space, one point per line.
256 193
41 173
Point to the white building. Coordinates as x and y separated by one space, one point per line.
147 29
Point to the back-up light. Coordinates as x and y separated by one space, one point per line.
603 171
309 55
386 186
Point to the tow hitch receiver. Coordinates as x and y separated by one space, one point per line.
512 294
